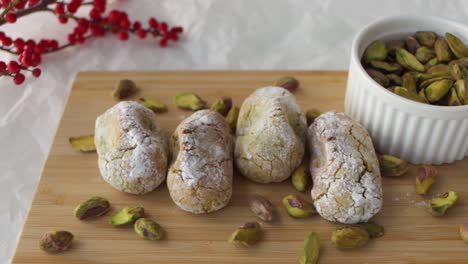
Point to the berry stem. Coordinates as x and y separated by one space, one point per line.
41 6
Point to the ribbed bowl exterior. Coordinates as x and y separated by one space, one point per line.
418 133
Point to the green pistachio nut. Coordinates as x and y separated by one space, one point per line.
310 250
437 90
262 208
127 215
461 87
426 38
83 143
442 50
409 82
350 237
439 70
432 80
189 101
438 206
311 115
373 229
379 77
403 92
408 61
430 63
425 178
393 45
394 79
148 229
124 89
296 207
154 106
457 46
453 99
385 66
222 105
424 54
57 241
456 72
93 207
392 166
231 118
300 177
287 82
377 50
246 235
412 44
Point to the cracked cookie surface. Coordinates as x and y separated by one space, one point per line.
200 178
345 170
270 135
132 149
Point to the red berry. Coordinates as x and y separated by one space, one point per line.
53 44
13 67
114 16
59 8
136 25
163 42
95 14
2 35
39 49
153 22
33 2
3 66
20 5
18 42
123 35
36 72
124 23
177 30
10 17
7 41
163 27
5 3
63 19
141 33
71 38
80 39
19 78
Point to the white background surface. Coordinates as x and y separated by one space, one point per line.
241 34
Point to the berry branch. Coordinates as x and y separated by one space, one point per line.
96 24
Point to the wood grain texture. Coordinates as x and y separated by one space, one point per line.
69 177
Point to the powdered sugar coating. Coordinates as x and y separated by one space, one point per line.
345 170
270 135
132 149
200 179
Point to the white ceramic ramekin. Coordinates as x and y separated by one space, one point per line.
419 133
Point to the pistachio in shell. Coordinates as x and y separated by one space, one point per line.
93 207
375 230
442 50
412 44
189 101
460 88
124 89
83 143
408 81
425 178
379 77
300 177
408 60
310 250
127 215
231 118
246 235
311 115
426 38
437 90
350 237
57 241
394 79
424 54
438 206
262 208
392 166
148 229
403 92
457 46
377 50
154 106
385 66
287 82
297 207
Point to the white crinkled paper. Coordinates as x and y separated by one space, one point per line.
241 34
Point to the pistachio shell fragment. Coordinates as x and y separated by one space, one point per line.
246 235
124 89
426 38
300 176
287 82
463 229
222 105
148 229
441 48
425 177
57 241
189 101
297 207
424 54
231 118
386 66
127 215
460 88
154 106
392 166
412 44
408 61
436 90
408 81
375 230
311 114
403 92
350 237
379 77
93 207
438 206
377 50
456 45
83 143
262 208
310 250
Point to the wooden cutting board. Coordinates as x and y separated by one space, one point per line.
69 177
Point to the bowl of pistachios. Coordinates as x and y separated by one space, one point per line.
408 85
